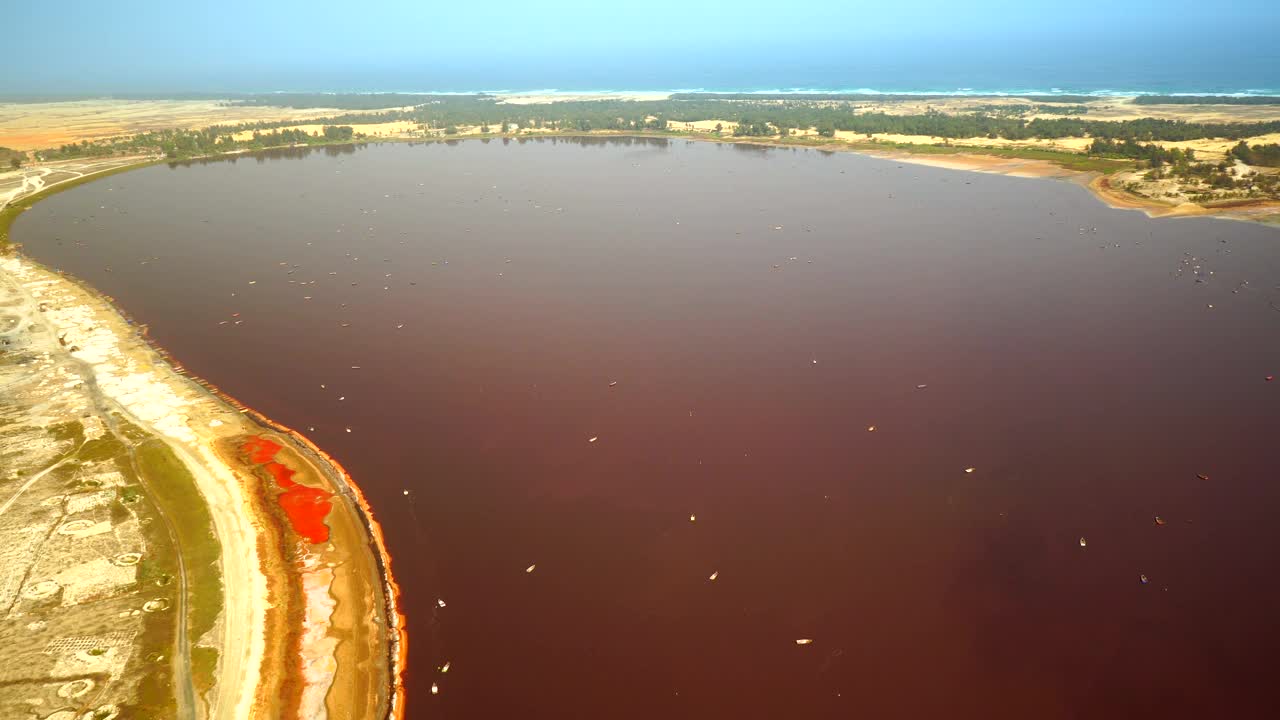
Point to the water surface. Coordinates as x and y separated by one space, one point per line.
758 310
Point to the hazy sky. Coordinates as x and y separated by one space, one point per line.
150 45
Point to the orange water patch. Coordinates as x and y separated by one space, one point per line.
260 449
306 507
282 474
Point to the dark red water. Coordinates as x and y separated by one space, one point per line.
758 310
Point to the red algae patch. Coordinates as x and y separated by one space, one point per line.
306 507
260 449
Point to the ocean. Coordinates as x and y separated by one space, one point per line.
1200 68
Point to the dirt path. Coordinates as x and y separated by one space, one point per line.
32 182
34 479
33 177
106 409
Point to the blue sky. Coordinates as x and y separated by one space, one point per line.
148 45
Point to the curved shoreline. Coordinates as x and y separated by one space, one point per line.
399 646
397 640
13 207
397 649
964 158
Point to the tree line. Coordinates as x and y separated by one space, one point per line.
1153 154
745 118
1261 155
475 110
584 115
181 144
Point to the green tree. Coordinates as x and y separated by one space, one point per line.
331 132
15 162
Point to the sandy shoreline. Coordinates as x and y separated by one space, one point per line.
1263 211
193 419
122 366
396 639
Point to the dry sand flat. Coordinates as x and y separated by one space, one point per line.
30 126
985 163
1206 148
395 128
1105 108
1067 144
73 612
193 421
1126 109
1214 148
707 126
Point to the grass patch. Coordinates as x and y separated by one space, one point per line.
72 431
66 474
174 491
131 432
1234 202
104 448
170 488
204 664
155 695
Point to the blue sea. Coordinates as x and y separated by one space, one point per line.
1095 47
1190 61
1209 67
